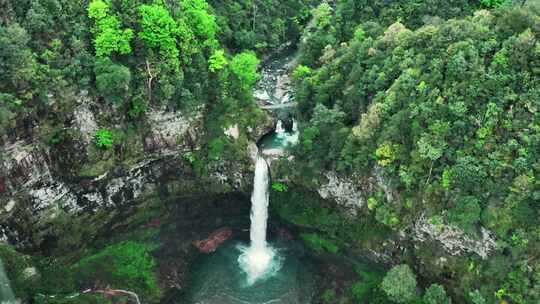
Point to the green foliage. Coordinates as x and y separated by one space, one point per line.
492 3
217 61
109 36
200 21
127 265
386 154
365 288
244 67
159 30
400 284
104 138
280 187
112 80
315 242
476 297
301 72
14 264
466 213
216 148
329 296
433 101
435 294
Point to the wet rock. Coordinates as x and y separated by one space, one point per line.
284 234
213 241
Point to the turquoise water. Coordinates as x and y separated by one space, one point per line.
218 279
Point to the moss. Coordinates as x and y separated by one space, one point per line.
125 265
319 244
97 168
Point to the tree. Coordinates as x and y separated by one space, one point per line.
17 62
399 284
112 80
492 3
217 61
244 67
159 30
109 37
200 20
435 294
466 213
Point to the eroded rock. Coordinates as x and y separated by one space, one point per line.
453 239
345 191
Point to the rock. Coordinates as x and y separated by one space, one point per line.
284 234
454 240
213 241
344 191
262 128
30 273
9 206
172 131
83 118
232 132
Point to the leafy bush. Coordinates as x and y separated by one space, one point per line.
329 296
104 138
400 284
280 187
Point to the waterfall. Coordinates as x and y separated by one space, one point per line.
6 294
259 204
259 260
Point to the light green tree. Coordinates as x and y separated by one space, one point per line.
217 61
109 36
159 30
435 294
199 19
244 67
399 284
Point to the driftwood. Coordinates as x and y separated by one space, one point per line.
107 291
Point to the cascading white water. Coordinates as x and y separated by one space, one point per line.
6 294
259 260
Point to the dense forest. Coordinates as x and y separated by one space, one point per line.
438 101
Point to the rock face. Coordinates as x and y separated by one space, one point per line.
454 240
39 182
213 241
344 191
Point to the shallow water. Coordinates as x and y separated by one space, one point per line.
218 279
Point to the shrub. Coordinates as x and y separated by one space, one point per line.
280 187
399 284
104 138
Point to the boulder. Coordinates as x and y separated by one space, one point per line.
213 241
